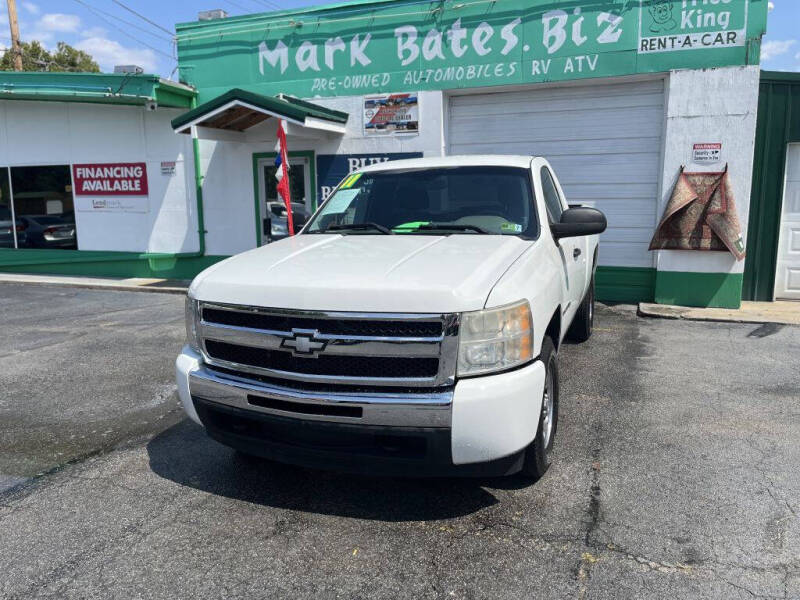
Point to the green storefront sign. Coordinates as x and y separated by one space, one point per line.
408 45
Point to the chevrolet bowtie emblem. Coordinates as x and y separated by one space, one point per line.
304 343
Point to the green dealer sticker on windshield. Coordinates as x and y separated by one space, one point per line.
513 227
350 181
409 227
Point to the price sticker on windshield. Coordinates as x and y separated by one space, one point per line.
340 201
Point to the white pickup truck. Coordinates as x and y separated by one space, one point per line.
412 326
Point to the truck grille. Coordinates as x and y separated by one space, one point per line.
409 350
340 366
358 327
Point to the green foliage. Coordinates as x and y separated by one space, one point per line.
36 57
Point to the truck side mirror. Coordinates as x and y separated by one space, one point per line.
579 221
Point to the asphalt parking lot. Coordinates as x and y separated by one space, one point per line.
675 476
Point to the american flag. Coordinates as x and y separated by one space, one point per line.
282 175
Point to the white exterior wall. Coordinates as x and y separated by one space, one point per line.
228 201
228 191
710 105
64 133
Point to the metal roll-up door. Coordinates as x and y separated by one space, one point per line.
604 141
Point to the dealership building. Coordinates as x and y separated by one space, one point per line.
160 179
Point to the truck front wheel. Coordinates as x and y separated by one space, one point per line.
537 455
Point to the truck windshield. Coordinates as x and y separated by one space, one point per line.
439 201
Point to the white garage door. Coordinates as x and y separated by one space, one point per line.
787 277
604 142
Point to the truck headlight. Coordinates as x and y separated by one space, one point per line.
495 339
192 322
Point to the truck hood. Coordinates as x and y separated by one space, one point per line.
364 273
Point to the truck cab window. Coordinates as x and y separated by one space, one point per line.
551 198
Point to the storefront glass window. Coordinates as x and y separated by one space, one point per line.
43 206
273 212
6 222
297 183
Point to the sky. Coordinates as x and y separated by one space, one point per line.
114 36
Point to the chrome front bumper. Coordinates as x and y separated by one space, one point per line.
411 409
484 418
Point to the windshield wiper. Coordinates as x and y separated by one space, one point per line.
451 227
359 226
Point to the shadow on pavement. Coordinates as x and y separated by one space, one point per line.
186 455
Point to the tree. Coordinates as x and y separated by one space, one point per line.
36 57
68 58
33 55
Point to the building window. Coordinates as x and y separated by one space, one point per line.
40 200
7 233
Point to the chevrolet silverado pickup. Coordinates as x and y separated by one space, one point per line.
411 327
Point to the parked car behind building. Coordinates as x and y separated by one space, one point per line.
48 231
6 232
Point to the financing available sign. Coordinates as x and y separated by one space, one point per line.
110 179
408 46
110 187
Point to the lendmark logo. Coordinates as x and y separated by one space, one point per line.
304 343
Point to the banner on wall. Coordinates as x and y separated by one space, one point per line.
110 187
332 168
385 114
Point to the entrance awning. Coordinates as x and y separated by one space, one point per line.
239 115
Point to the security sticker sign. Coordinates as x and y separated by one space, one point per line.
707 153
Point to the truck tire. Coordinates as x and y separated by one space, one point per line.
537 454
582 324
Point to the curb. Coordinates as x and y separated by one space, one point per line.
683 313
113 287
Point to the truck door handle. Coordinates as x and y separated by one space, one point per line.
576 253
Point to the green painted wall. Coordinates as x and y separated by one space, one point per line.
408 45
722 290
104 264
625 284
778 125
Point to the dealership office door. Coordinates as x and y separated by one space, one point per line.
299 185
604 142
787 276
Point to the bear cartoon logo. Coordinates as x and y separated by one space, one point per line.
663 20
